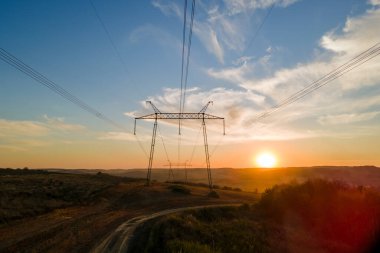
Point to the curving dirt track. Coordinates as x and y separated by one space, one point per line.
117 241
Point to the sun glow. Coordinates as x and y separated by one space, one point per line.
266 160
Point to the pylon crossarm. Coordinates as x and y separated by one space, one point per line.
175 115
155 109
158 115
182 116
203 110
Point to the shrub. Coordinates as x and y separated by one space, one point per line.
329 210
213 194
179 189
175 246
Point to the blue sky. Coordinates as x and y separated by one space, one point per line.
300 41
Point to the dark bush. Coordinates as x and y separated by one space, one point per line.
179 189
213 194
329 210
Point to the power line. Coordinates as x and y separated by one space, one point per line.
141 146
260 26
182 79
163 143
183 55
185 67
34 74
195 144
188 53
116 51
21 66
336 73
118 55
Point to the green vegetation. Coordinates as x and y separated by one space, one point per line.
316 215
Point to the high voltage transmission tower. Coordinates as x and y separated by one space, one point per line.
201 115
171 174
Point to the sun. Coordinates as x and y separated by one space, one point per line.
266 160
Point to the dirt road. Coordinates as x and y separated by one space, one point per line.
117 241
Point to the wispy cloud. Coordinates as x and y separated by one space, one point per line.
21 135
347 118
169 8
239 6
351 99
153 33
374 2
120 136
22 128
58 123
220 26
210 40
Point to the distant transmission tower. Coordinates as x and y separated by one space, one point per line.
171 174
201 115
178 165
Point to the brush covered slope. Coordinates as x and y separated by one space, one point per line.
315 216
42 211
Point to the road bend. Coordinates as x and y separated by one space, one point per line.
117 241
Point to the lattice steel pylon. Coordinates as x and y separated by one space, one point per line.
171 174
201 115
170 165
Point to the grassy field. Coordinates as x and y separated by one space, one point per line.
59 212
314 216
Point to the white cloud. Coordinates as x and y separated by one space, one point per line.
121 136
22 134
209 38
347 118
234 75
168 8
60 124
285 82
22 128
374 2
357 34
353 97
219 25
238 6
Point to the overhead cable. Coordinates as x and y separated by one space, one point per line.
260 26
21 66
188 54
341 70
116 51
183 55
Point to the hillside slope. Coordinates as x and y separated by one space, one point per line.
55 212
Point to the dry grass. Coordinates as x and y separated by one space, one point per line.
314 216
53 212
